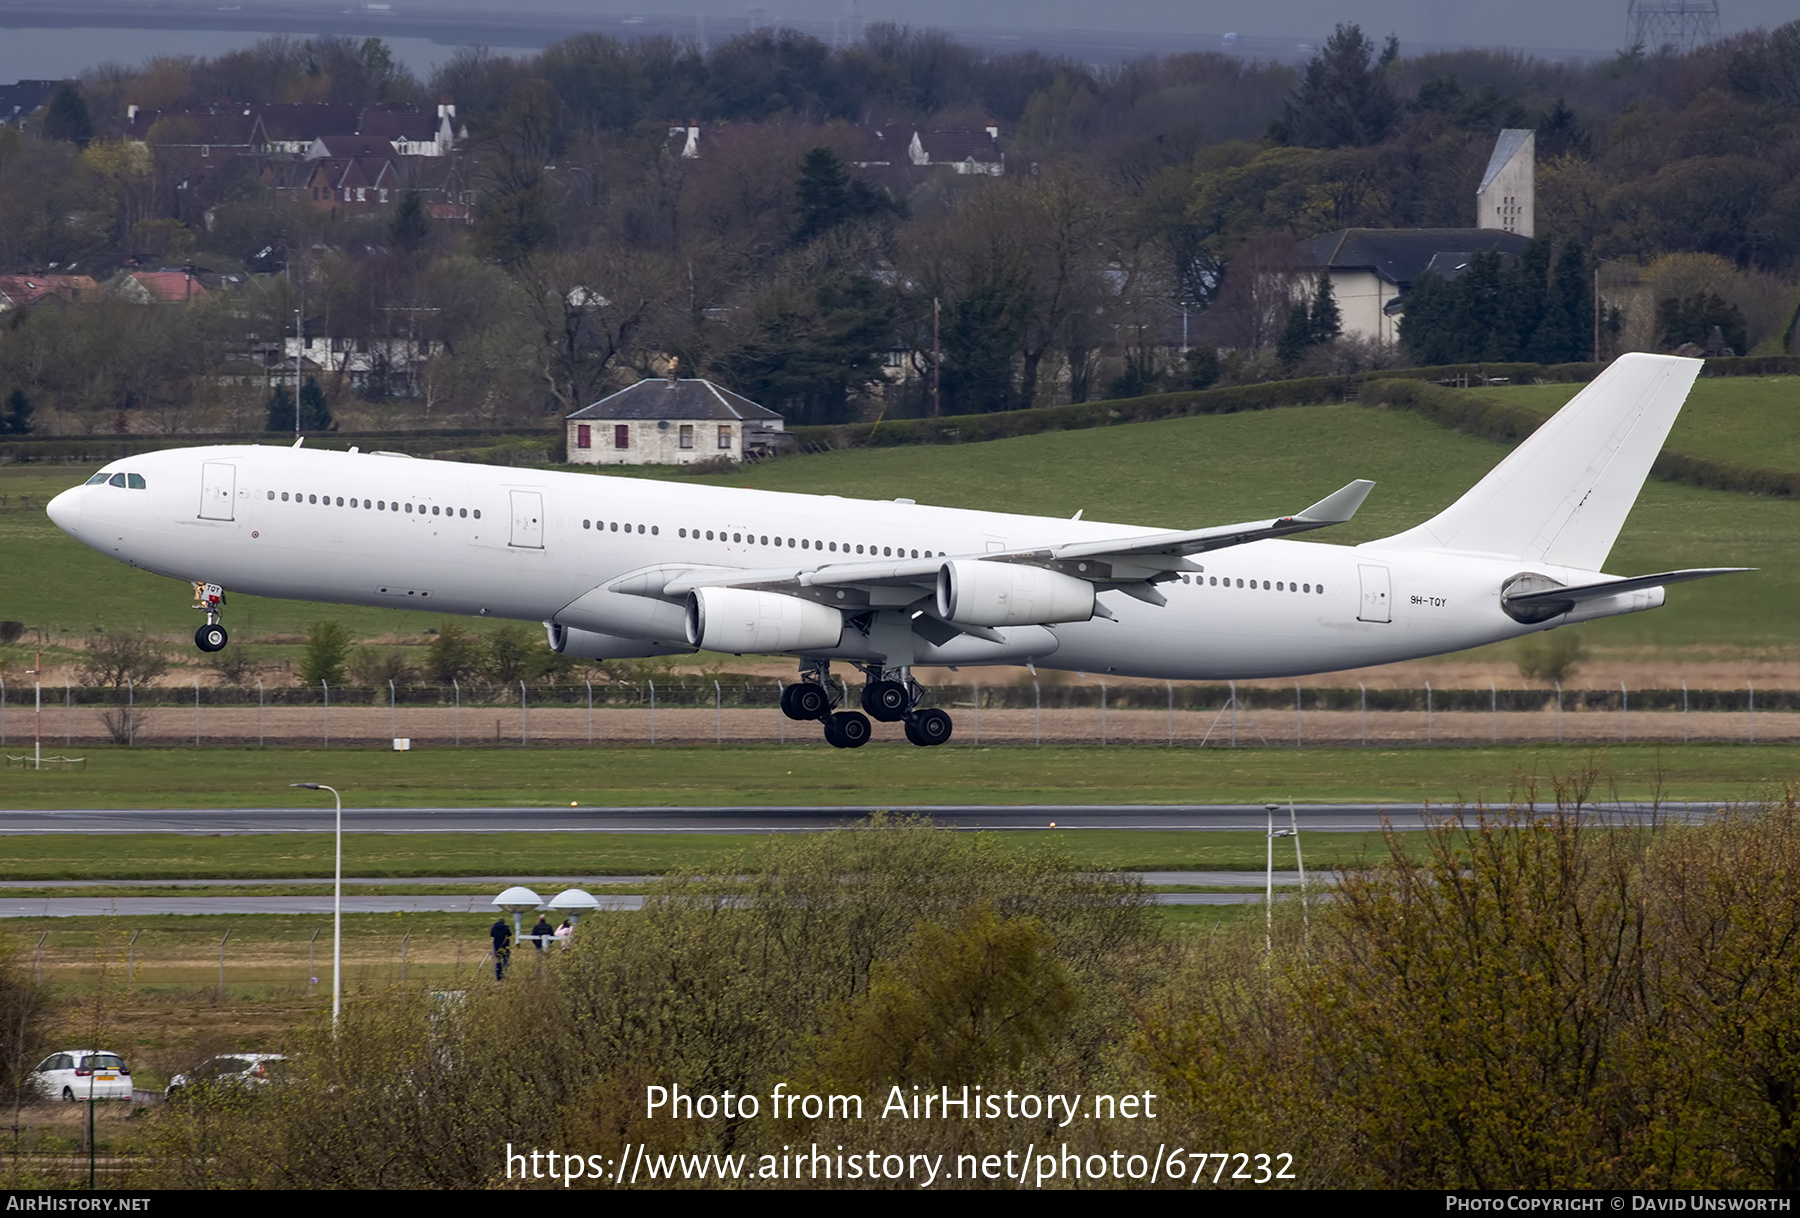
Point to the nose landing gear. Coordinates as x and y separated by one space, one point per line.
210 598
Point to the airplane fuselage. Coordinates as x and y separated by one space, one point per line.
484 541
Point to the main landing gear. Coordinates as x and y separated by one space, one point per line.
890 696
210 598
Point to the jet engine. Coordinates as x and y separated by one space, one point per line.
1010 594
740 620
592 645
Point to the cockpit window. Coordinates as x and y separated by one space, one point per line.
116 480
135 481
97 479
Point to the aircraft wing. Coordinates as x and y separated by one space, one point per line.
1128 564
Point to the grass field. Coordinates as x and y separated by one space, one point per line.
1177 473
1751 420
881 775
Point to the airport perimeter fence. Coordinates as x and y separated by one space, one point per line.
741 711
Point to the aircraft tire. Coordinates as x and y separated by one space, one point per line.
929 727
805 701
211 638
852 729
886 700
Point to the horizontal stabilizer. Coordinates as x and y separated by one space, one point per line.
1587 592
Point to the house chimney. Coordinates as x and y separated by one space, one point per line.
446 108
131 112
674 371
993 129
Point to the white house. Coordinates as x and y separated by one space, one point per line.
1371 268
672 421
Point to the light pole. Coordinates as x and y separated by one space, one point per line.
37 734
1269 889
337 904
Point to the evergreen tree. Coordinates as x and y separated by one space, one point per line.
1343 98
1691 319
1563 336
1296 337
16 420
315 413
410 228
281 410
1325 322
822 195
67 117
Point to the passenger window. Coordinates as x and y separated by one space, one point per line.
655 530
116 480
463 512
1321 589
587 524
434 509
284 497
859 549
478 513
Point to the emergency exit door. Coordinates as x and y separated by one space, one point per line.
528 520
1375 598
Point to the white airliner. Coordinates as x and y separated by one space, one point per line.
618 568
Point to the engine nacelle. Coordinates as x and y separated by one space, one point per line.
604 612
739 620
592 645
1010 594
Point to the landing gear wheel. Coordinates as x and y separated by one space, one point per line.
929 727
804 701
847 730
887 701
211 637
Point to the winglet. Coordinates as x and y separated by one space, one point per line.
1339 506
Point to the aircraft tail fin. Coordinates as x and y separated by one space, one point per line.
1561 497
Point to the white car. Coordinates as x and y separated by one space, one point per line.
247 1070
75 1074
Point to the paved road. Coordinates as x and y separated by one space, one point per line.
99 907
1346 818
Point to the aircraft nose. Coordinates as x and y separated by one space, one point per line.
65 511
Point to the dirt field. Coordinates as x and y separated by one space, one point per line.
436 727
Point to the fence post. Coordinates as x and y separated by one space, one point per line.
403 939
1103 713
1559 712
1624 715
718 715
1428 712
1362 700
312 972
327 688
456 688
131 958
37 959
259 712
652 685
1297 737
590 689
1493 714
1232 686
393 712
2 710
1037 713
1170 686
524 716
196 712
130 713
1684 723
780 720
1751 710
222 966
68 731
978 713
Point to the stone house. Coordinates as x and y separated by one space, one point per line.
673 421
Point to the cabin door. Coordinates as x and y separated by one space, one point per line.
528 520
1375 598
218 489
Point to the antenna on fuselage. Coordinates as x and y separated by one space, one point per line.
299 440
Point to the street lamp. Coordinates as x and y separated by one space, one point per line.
37 731
337 904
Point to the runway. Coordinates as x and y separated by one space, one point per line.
1325 818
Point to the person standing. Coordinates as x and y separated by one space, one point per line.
541 932
502 935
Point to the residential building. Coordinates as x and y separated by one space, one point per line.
22 99
673 421
165 286
25 291
1371 269
967 152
